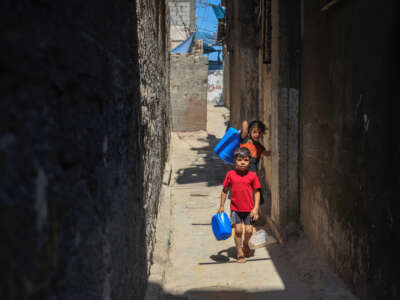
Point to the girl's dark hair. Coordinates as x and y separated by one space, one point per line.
259 124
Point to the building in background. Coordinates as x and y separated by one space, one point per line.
189 69
183 20
196 77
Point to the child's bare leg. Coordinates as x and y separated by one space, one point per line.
238 243
248 231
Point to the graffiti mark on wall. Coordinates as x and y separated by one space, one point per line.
215 86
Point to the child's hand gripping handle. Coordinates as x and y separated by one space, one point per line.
223 197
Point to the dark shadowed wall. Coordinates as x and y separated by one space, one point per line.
83 139
349 146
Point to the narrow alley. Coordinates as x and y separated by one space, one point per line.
109 114
189 263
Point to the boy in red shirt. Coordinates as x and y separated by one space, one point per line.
244 209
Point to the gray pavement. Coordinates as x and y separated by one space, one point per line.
189 263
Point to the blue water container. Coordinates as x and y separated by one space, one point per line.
221 226
228 144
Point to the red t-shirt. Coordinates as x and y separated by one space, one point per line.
242 187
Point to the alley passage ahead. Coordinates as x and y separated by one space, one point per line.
190 264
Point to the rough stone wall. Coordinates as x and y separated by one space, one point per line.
156 109
189 76
349 149
76 147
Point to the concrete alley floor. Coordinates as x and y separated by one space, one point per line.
189 263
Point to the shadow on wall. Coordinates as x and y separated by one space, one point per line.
201 172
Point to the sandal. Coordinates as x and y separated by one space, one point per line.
241 259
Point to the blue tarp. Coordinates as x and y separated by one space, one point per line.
208 49
218 11
184 47
208 41
215 65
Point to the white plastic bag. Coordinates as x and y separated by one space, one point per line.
260 239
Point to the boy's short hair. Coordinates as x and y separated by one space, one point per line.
242 152
259 124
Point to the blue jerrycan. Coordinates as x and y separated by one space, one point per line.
228 144
221 226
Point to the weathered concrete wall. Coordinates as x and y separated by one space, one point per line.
226 82
189 76
264 103
285 81
75 146
349 150
242 47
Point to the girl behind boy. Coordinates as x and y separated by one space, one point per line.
251 135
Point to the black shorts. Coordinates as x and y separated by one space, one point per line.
238 216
